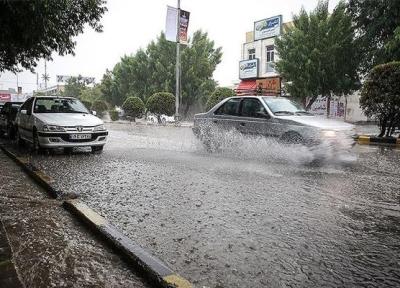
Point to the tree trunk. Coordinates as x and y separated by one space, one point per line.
328 106
185 111
312 100
382 124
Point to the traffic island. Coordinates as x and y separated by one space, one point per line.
374 140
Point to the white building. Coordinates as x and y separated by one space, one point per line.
258 74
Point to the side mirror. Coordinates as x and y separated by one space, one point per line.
94 113
23 112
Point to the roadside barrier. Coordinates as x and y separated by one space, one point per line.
373 140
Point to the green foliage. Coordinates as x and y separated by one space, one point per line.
91 93
74 87
133 107
218 95
318 55
87 104
100 106
152 70
32 30
114 115
380 96
161 103
378 31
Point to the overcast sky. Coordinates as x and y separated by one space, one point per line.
129 25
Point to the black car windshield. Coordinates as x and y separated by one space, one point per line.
283 106
59 105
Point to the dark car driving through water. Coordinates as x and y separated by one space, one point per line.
271 116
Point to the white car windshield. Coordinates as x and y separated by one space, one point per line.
283 106
59 105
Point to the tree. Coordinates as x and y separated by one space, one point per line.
380 96
377 24
318 56
31 30
74 87
152 70
100 106
161 103
133 107
218 95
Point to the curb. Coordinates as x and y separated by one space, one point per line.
373 140
38 176
158 272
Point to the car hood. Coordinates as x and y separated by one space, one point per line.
69 119
320 122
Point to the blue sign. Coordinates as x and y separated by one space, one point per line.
266 28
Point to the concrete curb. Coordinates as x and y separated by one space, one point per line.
158 272
373 140
38 176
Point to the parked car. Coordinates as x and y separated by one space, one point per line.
7 119
270 116
54 122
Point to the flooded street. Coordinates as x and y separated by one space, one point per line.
255 214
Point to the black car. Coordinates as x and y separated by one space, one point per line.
7 118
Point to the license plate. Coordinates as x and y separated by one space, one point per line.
80 136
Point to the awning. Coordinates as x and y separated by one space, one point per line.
246 87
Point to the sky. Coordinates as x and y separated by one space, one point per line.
130 25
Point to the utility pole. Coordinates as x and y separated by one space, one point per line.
45 75
178 63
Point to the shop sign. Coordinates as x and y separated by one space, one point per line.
248 69
267 28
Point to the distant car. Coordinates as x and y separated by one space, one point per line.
7 119
59 122
271 116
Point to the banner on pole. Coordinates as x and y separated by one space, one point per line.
183 26
170 25
171 31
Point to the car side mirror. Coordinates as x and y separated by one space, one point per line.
94 113
23 112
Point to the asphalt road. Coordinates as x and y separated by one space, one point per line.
256 214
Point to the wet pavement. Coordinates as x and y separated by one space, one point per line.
255 214
47 245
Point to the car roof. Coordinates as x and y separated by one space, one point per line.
55 96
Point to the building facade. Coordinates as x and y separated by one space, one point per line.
257 70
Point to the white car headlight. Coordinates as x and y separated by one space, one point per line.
329 133
99 128
53 128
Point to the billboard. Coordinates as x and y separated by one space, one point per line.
271 85
267 28
248 69
5 97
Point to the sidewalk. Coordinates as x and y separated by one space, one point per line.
49 247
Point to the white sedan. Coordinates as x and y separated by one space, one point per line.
59 122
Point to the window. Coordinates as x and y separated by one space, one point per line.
253 108
270 55
231 107
252 53
59 105
28 106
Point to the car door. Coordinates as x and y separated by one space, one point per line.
25 119
256 120
3 117
227 115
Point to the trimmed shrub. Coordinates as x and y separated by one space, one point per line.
133 107
161 103
114 115
100 107
380 97
218 95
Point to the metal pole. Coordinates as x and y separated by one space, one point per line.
178 64
45 76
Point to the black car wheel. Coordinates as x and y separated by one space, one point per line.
36 143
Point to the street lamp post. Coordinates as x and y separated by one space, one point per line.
178 64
